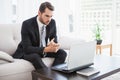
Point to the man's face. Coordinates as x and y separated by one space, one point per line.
46 16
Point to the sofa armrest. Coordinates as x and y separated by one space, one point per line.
5 57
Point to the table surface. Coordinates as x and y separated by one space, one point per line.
107 65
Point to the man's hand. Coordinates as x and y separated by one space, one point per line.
52 46
51 43
51 49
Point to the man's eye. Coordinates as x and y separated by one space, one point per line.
47 16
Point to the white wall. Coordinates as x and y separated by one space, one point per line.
26 9
5 11
81 10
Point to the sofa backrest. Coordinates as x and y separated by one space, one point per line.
10 36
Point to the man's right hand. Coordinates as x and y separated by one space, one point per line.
52 46
51 43
51 49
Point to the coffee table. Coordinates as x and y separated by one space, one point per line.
106 64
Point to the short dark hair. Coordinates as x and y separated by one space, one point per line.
45 5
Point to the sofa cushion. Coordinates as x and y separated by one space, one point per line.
9 37
5 57
18 66
3 61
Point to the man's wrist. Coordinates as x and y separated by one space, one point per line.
44 54
45 49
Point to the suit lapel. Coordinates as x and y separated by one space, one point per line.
35 25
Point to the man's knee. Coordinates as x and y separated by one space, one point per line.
62 53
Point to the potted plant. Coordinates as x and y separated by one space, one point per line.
97 34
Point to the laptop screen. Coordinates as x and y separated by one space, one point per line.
81 54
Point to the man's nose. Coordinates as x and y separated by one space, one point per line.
49 19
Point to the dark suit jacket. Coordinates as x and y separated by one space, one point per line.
31 39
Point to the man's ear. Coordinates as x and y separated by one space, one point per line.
39 13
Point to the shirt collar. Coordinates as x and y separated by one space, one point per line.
39 23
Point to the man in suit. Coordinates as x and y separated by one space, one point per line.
33 45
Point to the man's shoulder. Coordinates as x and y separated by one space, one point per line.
30 20
52 22
29 23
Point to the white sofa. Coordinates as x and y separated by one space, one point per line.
18 69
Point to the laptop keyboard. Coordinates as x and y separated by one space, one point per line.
61 67
64 68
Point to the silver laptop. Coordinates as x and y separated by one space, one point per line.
81 56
